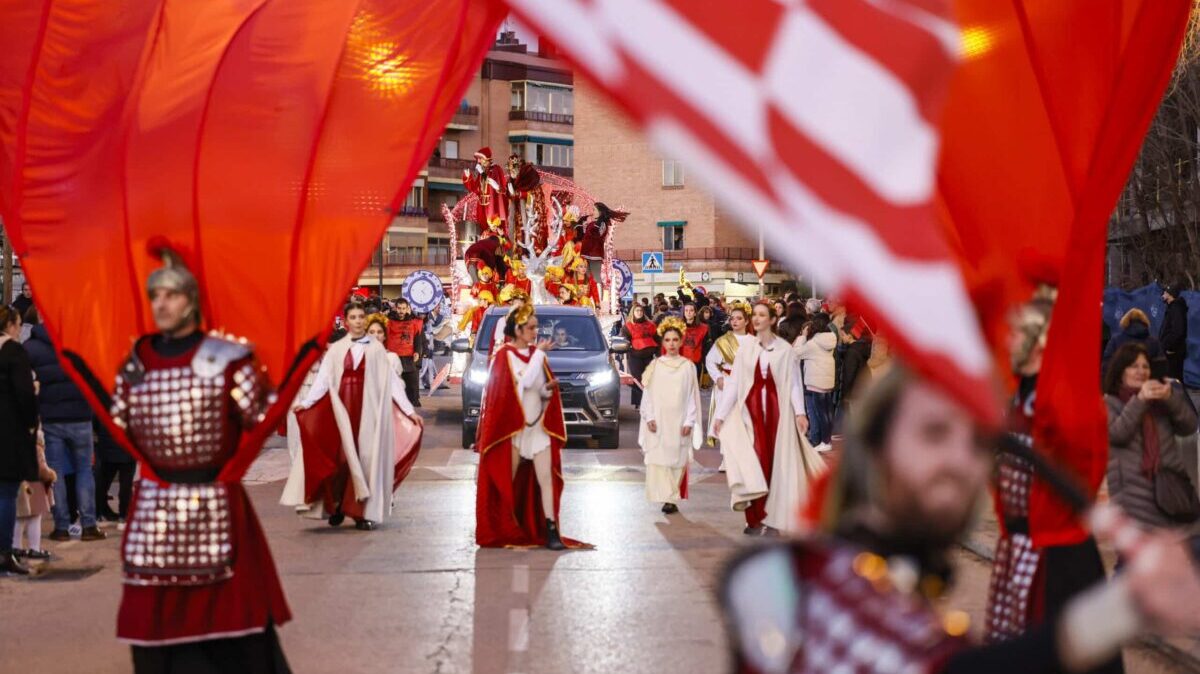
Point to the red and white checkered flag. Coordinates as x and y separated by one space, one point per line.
816 119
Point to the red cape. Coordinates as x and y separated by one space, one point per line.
508 512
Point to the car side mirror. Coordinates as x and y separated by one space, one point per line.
618 345
461 345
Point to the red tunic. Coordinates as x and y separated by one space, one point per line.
693 342
508 511
765 420
592 247
402 336
525 284
246 602
492 192
643 335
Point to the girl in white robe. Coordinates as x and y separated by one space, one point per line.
670 413
760 421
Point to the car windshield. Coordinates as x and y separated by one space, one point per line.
569 333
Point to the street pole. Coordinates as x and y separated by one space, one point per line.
762 292
6 252
382 254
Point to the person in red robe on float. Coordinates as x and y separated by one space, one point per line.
595 233
520 440
199 588
489 184
587 293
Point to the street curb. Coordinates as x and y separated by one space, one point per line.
1186 659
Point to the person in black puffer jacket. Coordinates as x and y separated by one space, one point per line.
67 425
1173 333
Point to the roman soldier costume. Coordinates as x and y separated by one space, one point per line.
198 574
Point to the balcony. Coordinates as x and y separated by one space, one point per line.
424 259
717 254
452 164
413 212
466 118
534 116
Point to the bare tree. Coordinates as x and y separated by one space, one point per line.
1155 231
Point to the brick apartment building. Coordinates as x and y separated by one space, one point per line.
520 102
668 212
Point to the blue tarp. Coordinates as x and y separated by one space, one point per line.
1149 299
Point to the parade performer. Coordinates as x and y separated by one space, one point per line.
670 415
587 293
901 497
695 337
406 339
489 184
553 280
516 278
566 296
513 300
719 362
347 432
1030 584
524 182
643 339
408 427
492 250
760 422
595 233
485 291
520 440
200 587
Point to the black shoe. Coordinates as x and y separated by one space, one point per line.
336 519
553 540
92 534
670 508
9 564
32 554
770 531
753 531
60 535
364 525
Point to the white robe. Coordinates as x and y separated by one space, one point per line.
530 378
370 456
795 462
672 401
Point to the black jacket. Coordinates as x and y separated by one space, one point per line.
854 367
1173 336
59 399
18 415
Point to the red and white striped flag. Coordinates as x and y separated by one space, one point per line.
816 119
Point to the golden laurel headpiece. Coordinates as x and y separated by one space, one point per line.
672 323
741 305
511 293
377 318
521 315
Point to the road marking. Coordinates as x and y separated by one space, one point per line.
518 630
520 583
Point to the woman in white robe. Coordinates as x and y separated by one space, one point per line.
761 423
669 410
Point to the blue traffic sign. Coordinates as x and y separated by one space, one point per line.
652 262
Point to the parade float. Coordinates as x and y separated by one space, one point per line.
536 235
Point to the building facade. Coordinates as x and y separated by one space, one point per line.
521 101
668 211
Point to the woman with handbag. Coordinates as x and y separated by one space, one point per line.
1146 471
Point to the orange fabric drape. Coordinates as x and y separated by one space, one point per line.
269 140
1043 122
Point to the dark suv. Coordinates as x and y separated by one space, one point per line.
580 360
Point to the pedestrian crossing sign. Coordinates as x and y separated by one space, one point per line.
652 262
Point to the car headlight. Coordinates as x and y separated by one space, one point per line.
478 376
600 378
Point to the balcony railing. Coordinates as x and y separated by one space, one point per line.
456 164
635 254
428 258
466 116
534 116
414 212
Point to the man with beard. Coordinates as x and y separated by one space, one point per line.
406 339
200 588
861 595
